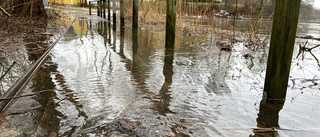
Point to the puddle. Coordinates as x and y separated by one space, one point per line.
96 76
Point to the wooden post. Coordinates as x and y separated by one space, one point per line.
101 6
281 48
114 11
98 6
104 8
135 15
121 13
89 7
109 17
170 24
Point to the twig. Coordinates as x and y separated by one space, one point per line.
314 47
315 58
4 12
7 70
255 24
8 98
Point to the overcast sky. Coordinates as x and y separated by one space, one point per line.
316 4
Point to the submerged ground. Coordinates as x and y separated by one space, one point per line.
96 76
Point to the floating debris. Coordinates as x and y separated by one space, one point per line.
135 127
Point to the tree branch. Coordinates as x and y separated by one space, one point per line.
4 12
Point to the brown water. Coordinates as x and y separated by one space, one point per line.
96 76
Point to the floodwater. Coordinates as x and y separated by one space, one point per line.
96 76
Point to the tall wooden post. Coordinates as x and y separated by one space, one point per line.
98 8
135 15
170 24
89 7
101 6
121 13
281 48
114 11
109 14
104 8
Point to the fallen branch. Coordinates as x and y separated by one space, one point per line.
308 37
9 98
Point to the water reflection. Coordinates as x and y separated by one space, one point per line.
163 101
36 115
194 90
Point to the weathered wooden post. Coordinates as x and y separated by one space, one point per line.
89 7
170 24
281 48
114 12
109 16
135 15
101 6
121 13
104 8
98 8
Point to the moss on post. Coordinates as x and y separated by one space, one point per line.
281 48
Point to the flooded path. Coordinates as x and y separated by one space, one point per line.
96 76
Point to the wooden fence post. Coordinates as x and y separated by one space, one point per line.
170 24
89 7
109 17
104 8
135 15
98 8
281 48
114 12
121 13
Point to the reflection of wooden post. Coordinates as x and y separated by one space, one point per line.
121 13
170 24
281 48
135 15
121 40
89 7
